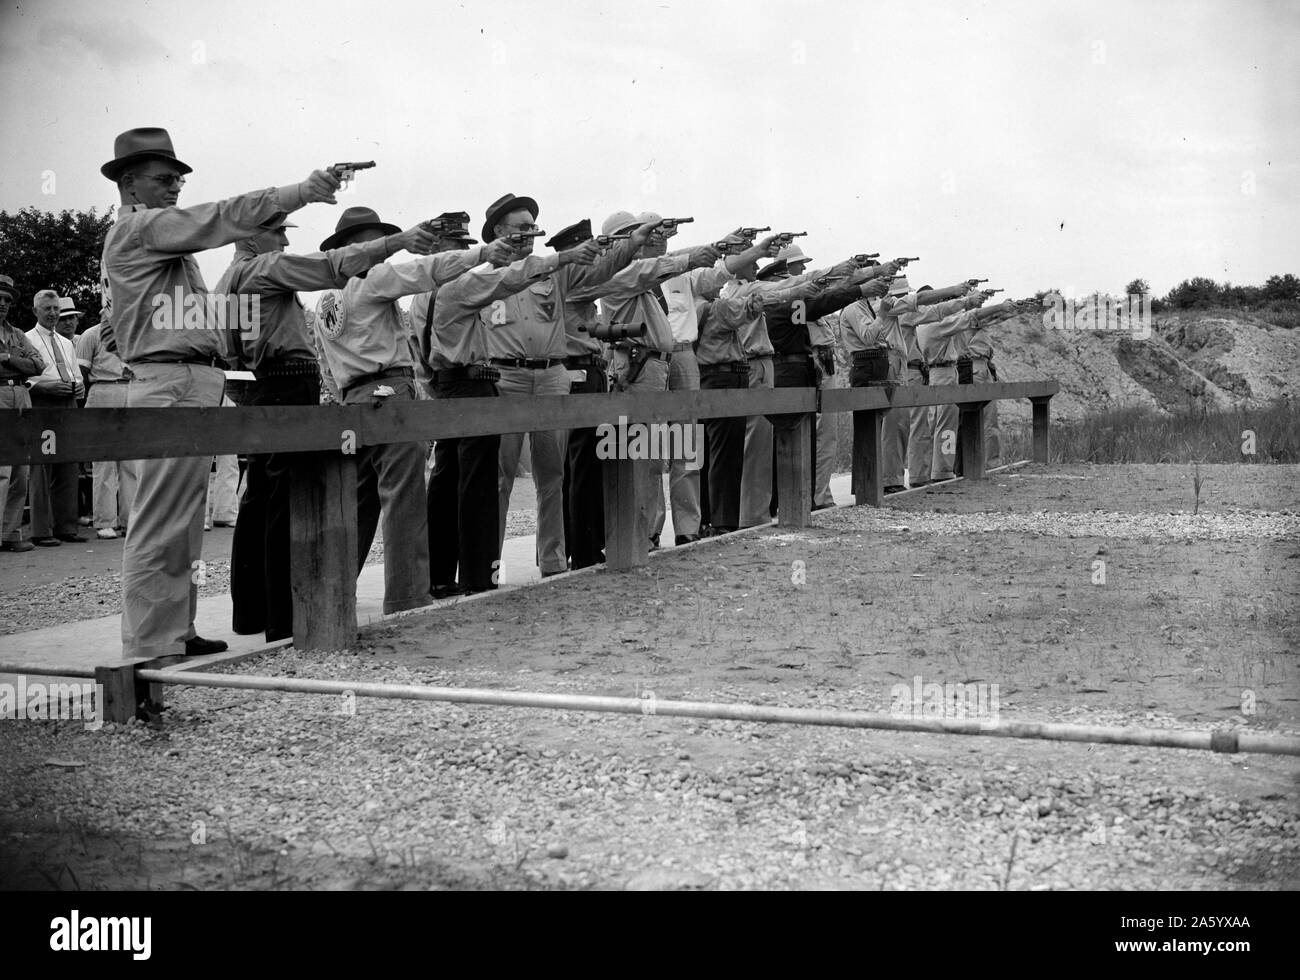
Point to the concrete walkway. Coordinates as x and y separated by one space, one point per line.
86 644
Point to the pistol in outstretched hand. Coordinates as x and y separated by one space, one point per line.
347 170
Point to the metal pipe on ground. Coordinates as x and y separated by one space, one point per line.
1223 740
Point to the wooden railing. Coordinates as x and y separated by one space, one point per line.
324 478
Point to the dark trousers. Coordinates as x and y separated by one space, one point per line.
260 591
790 374
725 439
584 491
52 488
462 502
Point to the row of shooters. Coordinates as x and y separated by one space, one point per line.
493 319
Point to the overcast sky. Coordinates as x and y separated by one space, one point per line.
1075 145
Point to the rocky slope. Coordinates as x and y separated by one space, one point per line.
1190 360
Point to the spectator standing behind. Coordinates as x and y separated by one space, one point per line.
114 481
53 486
19 360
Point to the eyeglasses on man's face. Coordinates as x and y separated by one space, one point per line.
166 180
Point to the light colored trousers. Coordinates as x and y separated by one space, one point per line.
223 497
920 433
827 443
114 480
161 560
13 479
683 475
546 452
648 472
992 434
945 427
756 477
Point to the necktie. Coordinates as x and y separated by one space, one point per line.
659 295
58 358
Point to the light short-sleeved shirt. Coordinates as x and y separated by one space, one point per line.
93 354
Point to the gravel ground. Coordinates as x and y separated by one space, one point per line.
268 790
291 790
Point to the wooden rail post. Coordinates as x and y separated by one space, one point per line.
971 429
794 471
118 694
627 539
1042 418
323 550
868 453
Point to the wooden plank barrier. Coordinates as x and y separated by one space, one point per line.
326 438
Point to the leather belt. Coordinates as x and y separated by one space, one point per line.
791 358
286 369
756 357
586 361
14 382
211 360
935 364
916 365
365 379
112 381
684 345
532 363
872 354
726 367
466 372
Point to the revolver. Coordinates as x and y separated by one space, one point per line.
752 233
606 242
347 170
731 248
991 292
976 282
519 239
449 223
865 258
904 261
670 224
786 237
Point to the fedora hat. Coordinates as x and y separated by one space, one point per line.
352 221
148 143
7 286
503 206
67 307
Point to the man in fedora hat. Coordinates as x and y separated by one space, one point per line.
278 350
53 486
788 326
527 344
152 285
19 360
113 482
366 343
464 500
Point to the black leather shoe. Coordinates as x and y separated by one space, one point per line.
821 506
895 488
686 539
47 542
71 538
654 542
17 546
446 591
198 646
